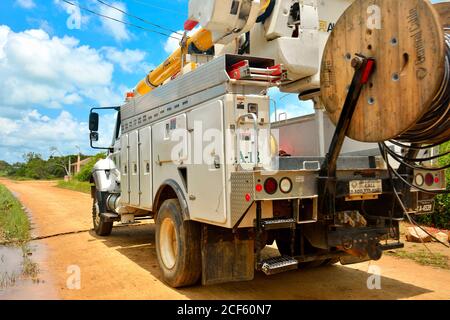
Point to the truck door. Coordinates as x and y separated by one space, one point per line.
124 180
133 157
145 152
206 173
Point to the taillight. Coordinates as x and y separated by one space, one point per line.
419 180
286 185
429 179
271 186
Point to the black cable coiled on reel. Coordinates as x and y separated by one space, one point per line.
430 132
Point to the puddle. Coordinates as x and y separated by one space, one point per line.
14 284
10 266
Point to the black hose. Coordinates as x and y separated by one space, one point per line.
431 131
434 127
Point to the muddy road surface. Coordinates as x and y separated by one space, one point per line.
124 265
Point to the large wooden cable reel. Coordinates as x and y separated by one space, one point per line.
406 39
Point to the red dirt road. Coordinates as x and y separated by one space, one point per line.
124 265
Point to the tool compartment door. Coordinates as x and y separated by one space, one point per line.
145 152
169 150
206 173
133 155
124 168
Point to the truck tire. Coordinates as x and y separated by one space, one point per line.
177 246
101 227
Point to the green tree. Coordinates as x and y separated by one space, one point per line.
5 168
86 171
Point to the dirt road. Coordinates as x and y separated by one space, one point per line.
124 265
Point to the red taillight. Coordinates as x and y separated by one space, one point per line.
429 179
436 180
271 186
259 188
248 197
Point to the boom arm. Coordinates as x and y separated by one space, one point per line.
217 28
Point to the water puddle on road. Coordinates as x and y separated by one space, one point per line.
23 274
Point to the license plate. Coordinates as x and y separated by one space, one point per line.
366 187
425 206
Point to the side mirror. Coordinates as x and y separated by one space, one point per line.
93 122
94 136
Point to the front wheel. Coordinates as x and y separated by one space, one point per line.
177 246
101 227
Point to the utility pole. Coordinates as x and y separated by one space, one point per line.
79 159
70 167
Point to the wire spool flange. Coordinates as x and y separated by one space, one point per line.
406 39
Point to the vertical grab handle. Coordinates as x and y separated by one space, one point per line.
254 119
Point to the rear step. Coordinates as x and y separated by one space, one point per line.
274 224
278 265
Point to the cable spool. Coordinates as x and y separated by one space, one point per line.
407 97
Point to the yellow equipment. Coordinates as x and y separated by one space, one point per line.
202 40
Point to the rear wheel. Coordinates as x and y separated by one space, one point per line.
101 227
177 246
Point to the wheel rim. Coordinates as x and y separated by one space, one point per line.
168 243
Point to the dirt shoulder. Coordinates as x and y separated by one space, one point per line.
124 265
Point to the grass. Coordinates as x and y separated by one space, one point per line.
424 258
14 224
15 228
29 268
7 279
75 185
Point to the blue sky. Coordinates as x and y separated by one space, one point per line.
52 72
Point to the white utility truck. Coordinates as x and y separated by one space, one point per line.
195 150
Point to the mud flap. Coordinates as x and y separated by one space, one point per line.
227 256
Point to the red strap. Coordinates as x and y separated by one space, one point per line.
367 71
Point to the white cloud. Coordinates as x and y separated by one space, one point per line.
116 29
172 44
50 71
130 61
35 132
26 4
38 72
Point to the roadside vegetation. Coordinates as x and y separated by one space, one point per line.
75 185
34 167
15 231
14 224
80 182
423 257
